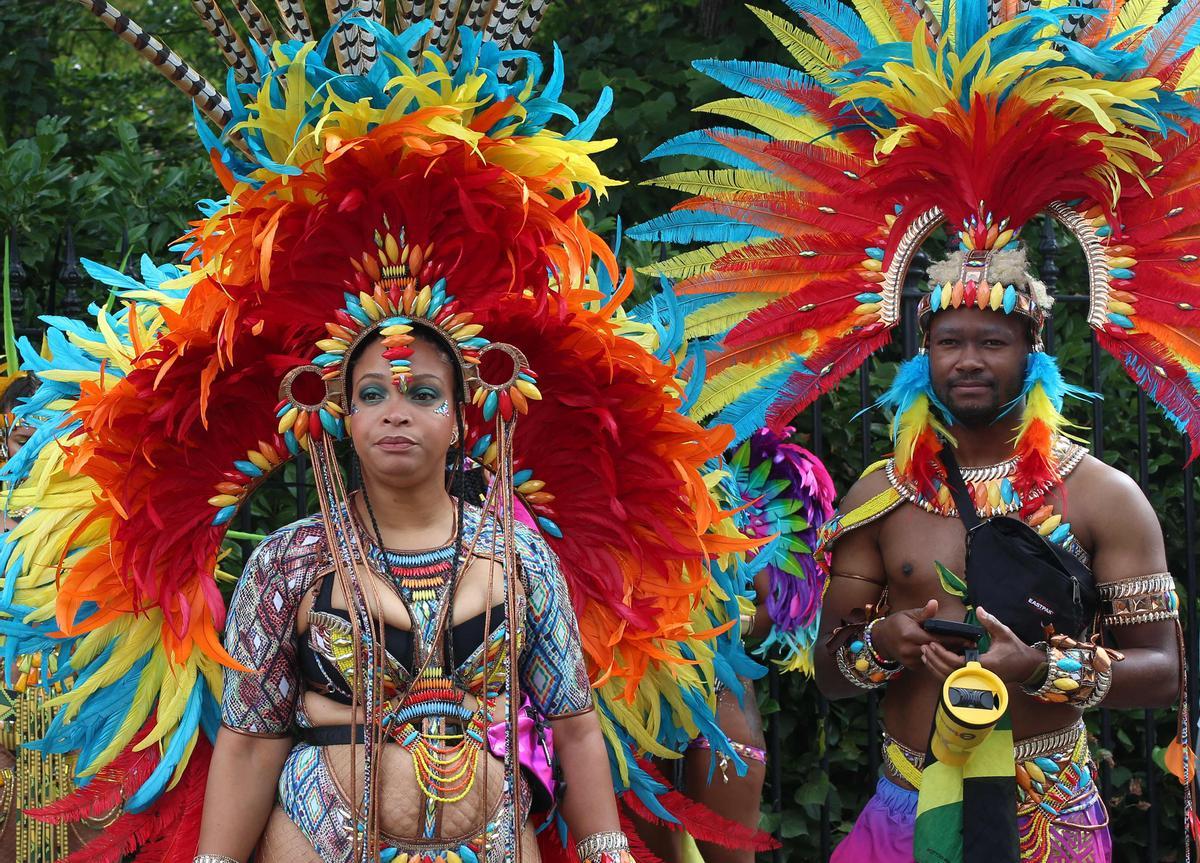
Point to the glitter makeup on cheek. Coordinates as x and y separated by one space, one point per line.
442 410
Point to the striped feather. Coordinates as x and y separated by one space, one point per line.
169 64
228 42
295 20
527 24
258 23
502 21
1074 24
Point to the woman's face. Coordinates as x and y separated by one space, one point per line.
402 435
18 435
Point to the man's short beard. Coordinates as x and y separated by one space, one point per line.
974 416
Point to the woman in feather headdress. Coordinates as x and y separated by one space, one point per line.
392 198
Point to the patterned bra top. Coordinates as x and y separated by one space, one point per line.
278 664
420 579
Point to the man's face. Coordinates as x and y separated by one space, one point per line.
977 361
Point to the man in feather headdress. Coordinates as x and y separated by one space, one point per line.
979 446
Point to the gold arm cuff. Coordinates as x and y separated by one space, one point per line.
1142 599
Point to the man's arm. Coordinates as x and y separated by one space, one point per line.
857 579
1127 543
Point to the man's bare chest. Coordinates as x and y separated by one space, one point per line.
910 542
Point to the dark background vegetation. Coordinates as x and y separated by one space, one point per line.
93 140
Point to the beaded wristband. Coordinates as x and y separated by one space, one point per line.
857 662
213 858
1077 673
609 847
881 660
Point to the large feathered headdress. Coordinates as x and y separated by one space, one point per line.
166 415
904 116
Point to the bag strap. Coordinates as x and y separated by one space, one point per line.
958 490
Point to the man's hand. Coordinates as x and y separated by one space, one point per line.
1009 658
900 637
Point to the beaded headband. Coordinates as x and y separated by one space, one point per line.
397 297
994 278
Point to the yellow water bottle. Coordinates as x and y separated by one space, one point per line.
973 700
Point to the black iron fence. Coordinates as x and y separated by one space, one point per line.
66 292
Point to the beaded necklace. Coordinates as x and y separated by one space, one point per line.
444 736
991 487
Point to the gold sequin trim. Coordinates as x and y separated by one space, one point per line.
1142 599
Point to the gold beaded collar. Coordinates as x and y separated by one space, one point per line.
990 486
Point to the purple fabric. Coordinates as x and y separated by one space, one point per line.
533 748
883 832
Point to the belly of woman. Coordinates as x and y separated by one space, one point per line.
402 791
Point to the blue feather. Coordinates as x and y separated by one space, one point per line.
970 23
701 143
838 15
156 782
1167 24
1042 369
749 78
749 412
697 226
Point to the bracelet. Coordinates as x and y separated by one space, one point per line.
1077 673
858 664
880 659
610 847
213 858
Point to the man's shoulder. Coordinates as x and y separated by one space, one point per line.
872 482
1101 484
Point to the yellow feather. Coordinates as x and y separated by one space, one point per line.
1190 76
135 715
690 263
720 316
722 389
768 119
724 181
1139 13
813 55
878 21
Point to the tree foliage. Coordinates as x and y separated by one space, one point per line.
92 138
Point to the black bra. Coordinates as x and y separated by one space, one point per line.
322 675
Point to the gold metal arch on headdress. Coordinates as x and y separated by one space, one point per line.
1083 226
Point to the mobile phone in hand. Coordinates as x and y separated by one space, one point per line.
953 629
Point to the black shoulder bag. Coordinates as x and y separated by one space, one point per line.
1018 575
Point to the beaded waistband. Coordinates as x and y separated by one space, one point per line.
1058 746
